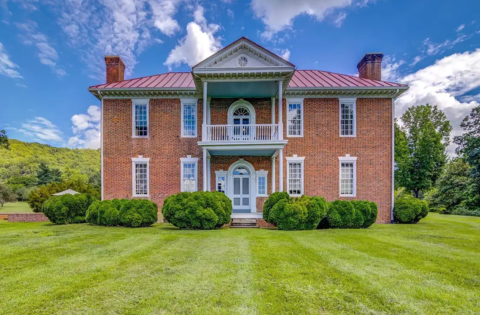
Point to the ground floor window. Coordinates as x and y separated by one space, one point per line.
221 182
189 174
295 176
140 176
262 183
348 176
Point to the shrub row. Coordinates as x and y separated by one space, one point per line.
409 210
307 213
197 210
123 212
67 208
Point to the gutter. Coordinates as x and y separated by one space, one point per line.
393 157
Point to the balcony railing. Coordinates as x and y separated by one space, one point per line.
241 133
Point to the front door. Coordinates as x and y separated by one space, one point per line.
241 122
241 190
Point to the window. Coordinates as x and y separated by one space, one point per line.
262 183
348 119
189 174
189 118
295 175
140 118
221 184
295 117
140 177
348 176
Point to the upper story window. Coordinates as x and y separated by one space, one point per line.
140 177
348 119
295 178
189 118
140 118
295 117
348 176
189 174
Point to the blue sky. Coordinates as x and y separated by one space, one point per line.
51 51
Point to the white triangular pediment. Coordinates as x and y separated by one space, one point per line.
243 54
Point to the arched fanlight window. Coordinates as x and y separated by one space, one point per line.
241 170
241 111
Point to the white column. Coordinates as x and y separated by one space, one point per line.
280 170
204 125
204 169
209 185
273 110
280 106
393 158
273 175
209 117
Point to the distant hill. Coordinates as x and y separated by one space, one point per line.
24 158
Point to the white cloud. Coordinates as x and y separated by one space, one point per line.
284 53
445 84
339 20
461 27
162 15
390 68
7 67
434 49
86 129
230 14
416 60
199 43
40 129
46 53
278 15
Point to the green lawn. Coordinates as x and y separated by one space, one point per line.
15 207
429 268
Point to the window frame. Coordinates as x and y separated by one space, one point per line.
295 101
353 102
183 102
135 161
347 159
188 160
264 174
140 101
301 160
221 174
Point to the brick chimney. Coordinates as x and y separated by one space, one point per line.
115 69
370 67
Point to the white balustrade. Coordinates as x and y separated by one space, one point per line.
239 133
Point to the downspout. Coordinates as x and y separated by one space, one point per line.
101 146
393 156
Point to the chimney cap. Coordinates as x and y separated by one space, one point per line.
370 57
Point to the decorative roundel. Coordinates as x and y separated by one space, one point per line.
242 61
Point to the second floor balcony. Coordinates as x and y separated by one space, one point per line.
242 133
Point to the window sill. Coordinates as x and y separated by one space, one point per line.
348 196
140 137
262 195
188 136
294 136
141 196
296 195
354 136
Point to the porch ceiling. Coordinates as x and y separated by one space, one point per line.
242 152
242 89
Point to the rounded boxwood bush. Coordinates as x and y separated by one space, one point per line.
367 210
302 213
341 214
409 210
138 213
67 208
198 210
103 213
270 203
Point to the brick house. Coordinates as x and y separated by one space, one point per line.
248 123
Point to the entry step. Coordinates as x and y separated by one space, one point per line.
244 223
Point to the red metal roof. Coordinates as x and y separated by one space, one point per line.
301 79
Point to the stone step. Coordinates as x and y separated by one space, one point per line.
244 223
244 226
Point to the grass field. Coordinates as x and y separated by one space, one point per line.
429 268
15 207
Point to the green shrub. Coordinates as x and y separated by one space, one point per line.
366 211
270 203
198 210
341 214
103 213
302 213
409 210
129 213
67 208
466 211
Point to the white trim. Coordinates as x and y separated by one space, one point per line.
220 174
140 160
241 102
295 101
251 169
262 173
188 160
393 159
296 159
352 101
189 101
102 186
273 173
138 101
280 170
352 159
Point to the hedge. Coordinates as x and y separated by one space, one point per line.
302 213
272 200
368 210
129 213
409 210
198 210
67 208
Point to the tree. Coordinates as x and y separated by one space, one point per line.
4 140
6 195
469 148
45 175
23 193
420 147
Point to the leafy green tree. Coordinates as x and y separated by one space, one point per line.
4 140
420 147
23 193
16 182
6 195
74 175
45 175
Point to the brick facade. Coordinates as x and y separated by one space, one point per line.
321 146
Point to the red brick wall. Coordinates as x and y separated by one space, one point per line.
321 146
27 217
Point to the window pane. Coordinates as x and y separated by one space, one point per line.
236 186
347 119
261 185
346 178
245 186
189 177
294 117
189 119
295 178
141 179
141 122
221 183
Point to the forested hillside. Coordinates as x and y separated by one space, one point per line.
23 159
